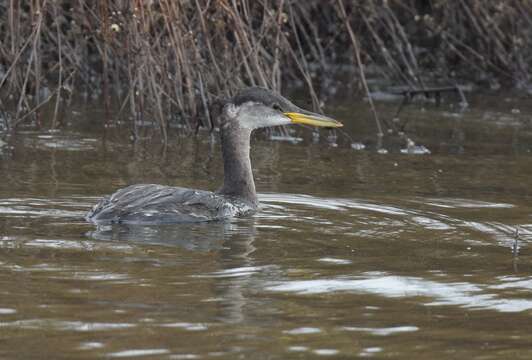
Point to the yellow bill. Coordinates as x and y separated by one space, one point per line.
313 119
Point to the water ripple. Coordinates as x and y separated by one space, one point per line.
237 272
382 331
63 325
303 331
138 352
371 219
186 326
38 208
463 294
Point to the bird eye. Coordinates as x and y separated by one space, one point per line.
277 107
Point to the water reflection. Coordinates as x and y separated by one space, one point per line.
231 240
201 237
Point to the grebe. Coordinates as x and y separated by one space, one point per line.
250 109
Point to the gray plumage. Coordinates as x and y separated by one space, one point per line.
159 204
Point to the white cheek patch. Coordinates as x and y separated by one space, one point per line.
253 115
247 115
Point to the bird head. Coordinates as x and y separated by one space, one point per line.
256 107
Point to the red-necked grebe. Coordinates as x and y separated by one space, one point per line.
250 109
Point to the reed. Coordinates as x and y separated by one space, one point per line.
167 61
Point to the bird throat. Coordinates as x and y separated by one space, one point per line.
238 175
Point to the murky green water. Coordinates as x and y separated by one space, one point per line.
354 254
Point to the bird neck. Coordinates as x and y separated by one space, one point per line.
238 176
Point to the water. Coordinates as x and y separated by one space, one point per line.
353 254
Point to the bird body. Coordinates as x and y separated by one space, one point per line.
159 204
252 108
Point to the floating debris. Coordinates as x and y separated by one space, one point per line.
357 146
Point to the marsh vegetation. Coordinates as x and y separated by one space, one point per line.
167 61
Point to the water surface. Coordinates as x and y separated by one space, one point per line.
353 254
